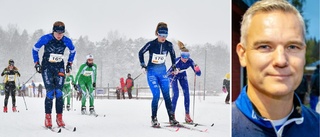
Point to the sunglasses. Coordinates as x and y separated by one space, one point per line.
90 59
163 35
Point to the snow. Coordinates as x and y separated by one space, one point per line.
123 118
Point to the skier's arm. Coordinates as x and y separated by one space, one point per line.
4 72
195 68
79 73
72 49
143 50
95 73
41 42
172 55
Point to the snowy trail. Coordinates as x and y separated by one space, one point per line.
123 118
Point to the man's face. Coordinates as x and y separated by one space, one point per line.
275 53
57 35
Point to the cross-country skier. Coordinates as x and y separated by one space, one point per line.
156 70
69 80
86 78
226 86
10 74
52 68
182 63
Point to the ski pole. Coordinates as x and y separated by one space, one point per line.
194 93
30 78
138 76
25 104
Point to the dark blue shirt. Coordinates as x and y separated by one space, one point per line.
157 53
182 67
247 121
53 46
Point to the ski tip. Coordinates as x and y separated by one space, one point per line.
74 129
212 124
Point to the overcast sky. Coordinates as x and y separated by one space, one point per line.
191 21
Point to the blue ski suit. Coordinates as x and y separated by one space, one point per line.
53 72
183 80
247 121
156 72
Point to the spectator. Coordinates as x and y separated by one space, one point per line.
40 87
123 87
129 84
33 88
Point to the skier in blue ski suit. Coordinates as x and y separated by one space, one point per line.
182 64
156 70
52 68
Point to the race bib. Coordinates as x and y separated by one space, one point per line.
87 73
158 58
54 58
10 77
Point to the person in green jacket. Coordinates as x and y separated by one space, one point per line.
86 78
67 89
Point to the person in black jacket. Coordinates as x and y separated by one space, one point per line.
315 91
302 89
10 74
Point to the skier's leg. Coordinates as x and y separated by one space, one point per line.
185 88
49 85
13 96
175 96
68 89
91 94
64 90
164 85
154 87
84 93
6 94
59 82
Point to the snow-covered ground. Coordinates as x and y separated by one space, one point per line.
123 118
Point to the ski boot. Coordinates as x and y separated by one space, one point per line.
172 120
154 122
68 107
5 109
188 119
59 120
83 110
14 109
92 112
47 121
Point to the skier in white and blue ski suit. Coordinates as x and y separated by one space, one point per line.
156 70
52 68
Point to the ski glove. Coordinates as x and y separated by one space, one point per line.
16 72
196 68
38 67
68 67
75 87
143 66
94 84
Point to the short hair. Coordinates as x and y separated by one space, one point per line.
267 6
58 24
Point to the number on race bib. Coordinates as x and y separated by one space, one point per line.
55 58
158 58
10 77
87 73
